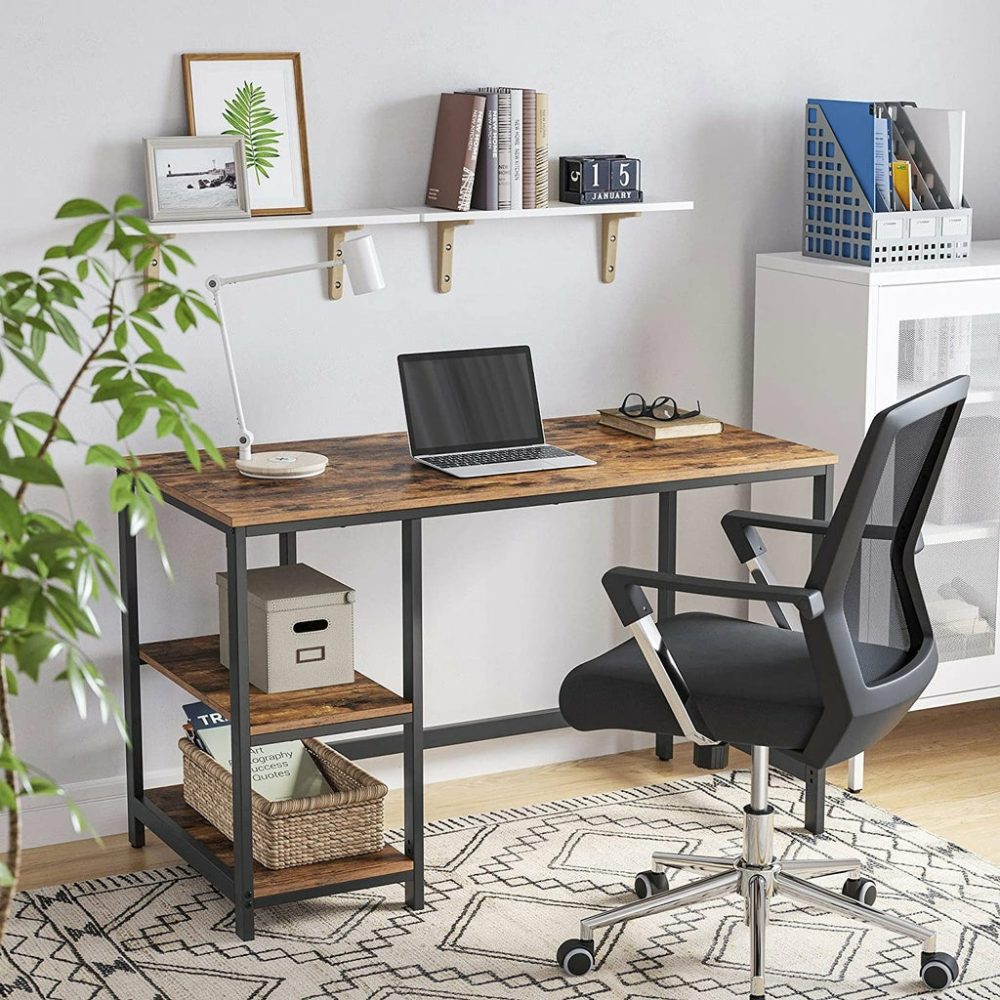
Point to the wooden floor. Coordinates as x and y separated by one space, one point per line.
940 769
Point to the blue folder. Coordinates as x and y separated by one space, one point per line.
854 126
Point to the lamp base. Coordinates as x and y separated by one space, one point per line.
283 465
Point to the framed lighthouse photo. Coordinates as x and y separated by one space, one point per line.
191 178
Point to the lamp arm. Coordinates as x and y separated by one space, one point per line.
215 285
237 279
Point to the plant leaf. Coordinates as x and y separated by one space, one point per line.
31 365
34 651
44 422
11 518
86 238
159 360
156 296
172 248
248 115
33 470
80 206
130 420
209 445
127 203
102 454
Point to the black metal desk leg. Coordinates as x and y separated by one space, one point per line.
822 502
239 717
413 691
666 600
131 673
816 780
287 548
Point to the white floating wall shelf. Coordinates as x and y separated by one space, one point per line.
610 215
337 224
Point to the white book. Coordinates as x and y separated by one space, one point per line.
942 134
278 771
883 180
503 143
516 148
953 612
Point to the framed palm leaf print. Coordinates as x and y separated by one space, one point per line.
257 97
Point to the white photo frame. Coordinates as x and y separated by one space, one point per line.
191 178
256 95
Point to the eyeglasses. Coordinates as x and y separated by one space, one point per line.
662 408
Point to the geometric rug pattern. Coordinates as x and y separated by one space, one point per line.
504 889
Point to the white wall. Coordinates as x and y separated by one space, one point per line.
709 95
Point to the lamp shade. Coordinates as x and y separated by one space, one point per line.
362 265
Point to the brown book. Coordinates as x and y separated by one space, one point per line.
456 149
660 430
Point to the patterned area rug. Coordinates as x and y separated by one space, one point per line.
504 889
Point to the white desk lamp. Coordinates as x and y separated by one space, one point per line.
362 264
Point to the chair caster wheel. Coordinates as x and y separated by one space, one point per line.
576 957
861 889
650 883
937 969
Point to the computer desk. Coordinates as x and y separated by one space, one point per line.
371 480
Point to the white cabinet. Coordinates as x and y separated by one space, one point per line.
834 344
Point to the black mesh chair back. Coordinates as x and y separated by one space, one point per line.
875 623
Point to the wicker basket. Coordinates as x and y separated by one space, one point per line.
344 822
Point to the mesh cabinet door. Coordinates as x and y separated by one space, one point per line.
959 567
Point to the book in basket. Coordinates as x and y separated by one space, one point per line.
278 771
660 430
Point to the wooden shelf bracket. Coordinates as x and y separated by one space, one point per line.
446 250
609 243
334 248
151 272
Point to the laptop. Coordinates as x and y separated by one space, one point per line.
475 413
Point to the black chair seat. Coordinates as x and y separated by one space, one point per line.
750 683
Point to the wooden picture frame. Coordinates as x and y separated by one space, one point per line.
222 88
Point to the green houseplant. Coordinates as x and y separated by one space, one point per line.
87 299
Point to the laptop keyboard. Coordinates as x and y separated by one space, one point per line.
500 455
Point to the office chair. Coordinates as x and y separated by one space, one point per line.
822 695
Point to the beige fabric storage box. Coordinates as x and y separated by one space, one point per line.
300 628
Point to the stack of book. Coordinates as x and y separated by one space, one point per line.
491 150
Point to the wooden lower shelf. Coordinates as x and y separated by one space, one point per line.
277 882
194 664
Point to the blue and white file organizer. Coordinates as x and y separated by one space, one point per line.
845 216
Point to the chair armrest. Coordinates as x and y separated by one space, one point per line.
624 587
741 527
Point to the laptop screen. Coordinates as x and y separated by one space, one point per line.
470 400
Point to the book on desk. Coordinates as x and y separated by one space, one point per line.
659 430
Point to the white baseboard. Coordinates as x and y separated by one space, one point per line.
46 821
957 698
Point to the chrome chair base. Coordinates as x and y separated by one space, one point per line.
757 877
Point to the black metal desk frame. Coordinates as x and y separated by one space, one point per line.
236 883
